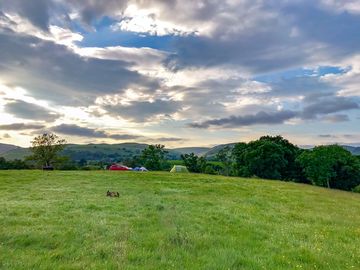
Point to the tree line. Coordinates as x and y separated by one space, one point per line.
269 157
273 157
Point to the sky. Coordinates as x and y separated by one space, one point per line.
180 73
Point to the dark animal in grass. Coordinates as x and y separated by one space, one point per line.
112 194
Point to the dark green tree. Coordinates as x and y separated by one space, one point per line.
153 157
45 149
239 157
3 164
265 159
331 166
292 170
194 163
269 157
225 157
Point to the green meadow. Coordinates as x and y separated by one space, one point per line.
63 220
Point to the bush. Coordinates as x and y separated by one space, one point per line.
357 189
209 169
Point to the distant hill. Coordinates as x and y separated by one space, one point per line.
213 151
355 150
95 152
195 150
7 147
123 151
17 153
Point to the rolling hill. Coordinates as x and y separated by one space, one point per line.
196 150
95 152
173 221
353 149
123 151
7 147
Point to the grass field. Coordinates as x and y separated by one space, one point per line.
63 220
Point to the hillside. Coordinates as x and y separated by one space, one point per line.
173 221
196 150
6 147
96 152
353 149
213 151
18 153
123 151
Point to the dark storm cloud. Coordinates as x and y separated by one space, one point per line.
25 110
21 126
140 111
75 130
54 72
270 118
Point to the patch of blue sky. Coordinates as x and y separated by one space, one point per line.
104 35
324 70
108 38
299 72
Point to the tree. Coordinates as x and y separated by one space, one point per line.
270 157
225 157
331 166
45 149
240 164
265 159
154 157
194 163
292 170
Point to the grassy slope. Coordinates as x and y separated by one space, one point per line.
51 220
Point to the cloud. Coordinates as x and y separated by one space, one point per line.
328 106
75 130
140 111
327 136
248 120
36 11
221 63
336 118
25 110
21 126
63 77
169 139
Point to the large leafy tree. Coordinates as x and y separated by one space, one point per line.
153 157
292 170
268 157
225 157
331 166
265 159
45 149
239 158
194 163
